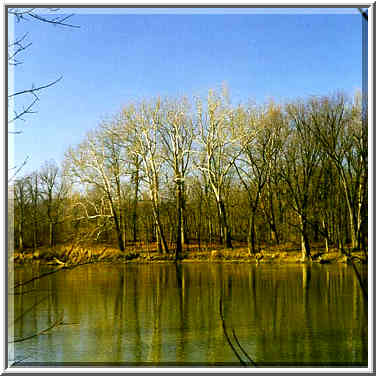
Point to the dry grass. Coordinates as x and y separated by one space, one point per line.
69 255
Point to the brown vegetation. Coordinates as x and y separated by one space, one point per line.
66 256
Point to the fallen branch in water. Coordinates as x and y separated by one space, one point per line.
61 267
226 335
25 292
241 348
38 277
55 324
20 361
29 309
358 276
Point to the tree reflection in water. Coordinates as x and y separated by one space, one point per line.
169 314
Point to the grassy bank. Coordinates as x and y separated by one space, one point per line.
68 255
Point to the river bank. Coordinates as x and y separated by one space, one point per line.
69 255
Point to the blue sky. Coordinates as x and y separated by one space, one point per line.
116 58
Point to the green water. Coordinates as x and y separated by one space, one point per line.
126 315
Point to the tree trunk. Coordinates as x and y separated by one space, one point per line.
210 229
252 233
306 250
273 226
51 234
179 229
220 223
326 234
119 234
353 232
35 221
184 229
252 229
20 236
225 227
123 230
135 202
158 239
354 243
161 240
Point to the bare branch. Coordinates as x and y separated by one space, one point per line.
226 334
55 324
33 90
27 13
18 169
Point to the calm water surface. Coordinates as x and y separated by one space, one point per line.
130 314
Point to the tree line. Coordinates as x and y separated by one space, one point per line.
179 171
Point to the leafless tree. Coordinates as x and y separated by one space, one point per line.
219 137
54 191
261 143
298 167
145 120
341 134
22 200
96 162
177 134
35 195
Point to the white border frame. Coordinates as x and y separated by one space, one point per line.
104 370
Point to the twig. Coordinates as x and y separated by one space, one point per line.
18 169
62 267
25 292
23 14
226 335
20 361
39 277
241 348
35 89
56 323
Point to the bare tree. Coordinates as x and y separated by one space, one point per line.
341 134
124 134
21 200
298 167
96 162
54 191
145 120
177 135
247 173
219 137
35 197
255 163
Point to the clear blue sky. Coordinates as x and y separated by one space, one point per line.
116 58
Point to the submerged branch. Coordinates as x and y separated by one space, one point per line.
63 266
242 349
55 324
25 292
39 277
226 335
358 276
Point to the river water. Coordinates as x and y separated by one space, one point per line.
163 314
